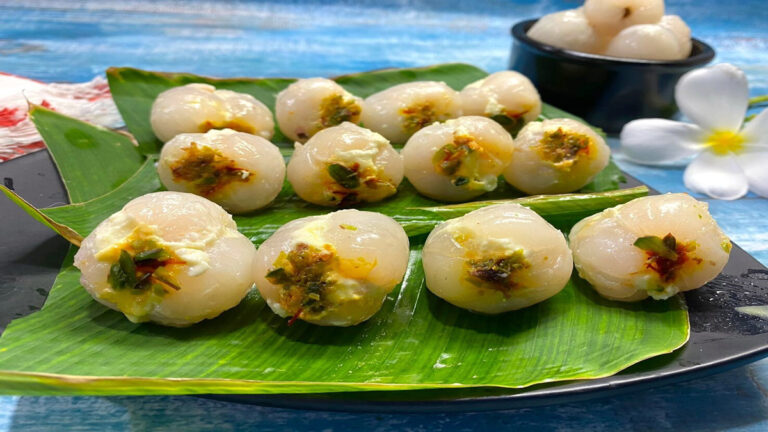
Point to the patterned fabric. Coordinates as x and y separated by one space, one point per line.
90 101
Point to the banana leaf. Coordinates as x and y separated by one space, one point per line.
417 341
81 161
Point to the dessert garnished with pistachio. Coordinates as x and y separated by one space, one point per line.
556 156
496 259
400 111
459 159
507 97
239 171
345 165
333 270
201 107
655 246
167 257
308 106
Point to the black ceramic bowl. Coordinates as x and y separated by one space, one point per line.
606 91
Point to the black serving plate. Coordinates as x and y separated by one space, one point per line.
721 337
606 91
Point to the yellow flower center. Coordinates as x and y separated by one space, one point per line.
724 142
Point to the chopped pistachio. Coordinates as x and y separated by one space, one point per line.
141 272
665 247
336 109
152 254
460 161
563 148
303 274
417 116
344 176
501 271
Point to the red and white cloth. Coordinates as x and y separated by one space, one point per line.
90 101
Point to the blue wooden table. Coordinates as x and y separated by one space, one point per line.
74 41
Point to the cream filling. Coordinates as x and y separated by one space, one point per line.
465 237
312 233
493 107
651 284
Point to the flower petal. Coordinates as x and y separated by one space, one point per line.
755 166
715 98
756 130
720 177
657 141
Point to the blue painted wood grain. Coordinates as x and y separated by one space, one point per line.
73 41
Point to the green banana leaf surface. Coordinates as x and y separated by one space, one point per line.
74 345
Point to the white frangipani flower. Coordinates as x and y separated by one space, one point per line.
729 160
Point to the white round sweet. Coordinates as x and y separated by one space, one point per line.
459 159
332 270
611 16
168 257
654 246
308 106
645 42
568 29
345 165
682 33
496 259
400 111
508 97
239 171
556 156
201 107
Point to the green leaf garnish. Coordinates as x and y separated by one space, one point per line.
152 254
165 281
122 274
663 247
343 176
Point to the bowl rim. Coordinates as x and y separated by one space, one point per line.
520 33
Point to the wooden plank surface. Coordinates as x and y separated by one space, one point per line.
76 40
